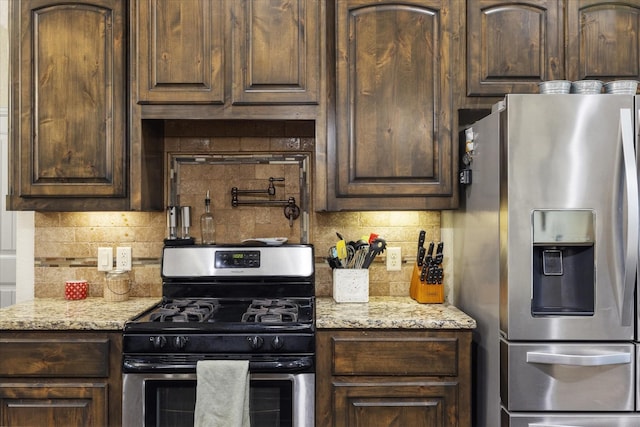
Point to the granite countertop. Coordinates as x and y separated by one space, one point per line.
389 313
60 314
98 314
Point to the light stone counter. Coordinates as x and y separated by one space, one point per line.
60 314
389 313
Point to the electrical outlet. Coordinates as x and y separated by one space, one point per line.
105 259
394 259
123 258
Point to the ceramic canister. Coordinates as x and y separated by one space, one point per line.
75 289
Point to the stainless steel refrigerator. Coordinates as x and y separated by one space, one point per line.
545 251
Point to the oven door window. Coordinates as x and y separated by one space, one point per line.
172 403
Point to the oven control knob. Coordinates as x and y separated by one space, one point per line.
255 342
180 342
277 342
158 342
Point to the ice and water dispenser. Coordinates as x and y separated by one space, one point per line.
563 262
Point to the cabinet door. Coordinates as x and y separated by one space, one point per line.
603 39
180 51
68 92
513 46
393 142
415 404
275 51
32 404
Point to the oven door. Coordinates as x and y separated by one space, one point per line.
276 399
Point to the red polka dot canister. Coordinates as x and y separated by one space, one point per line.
75 289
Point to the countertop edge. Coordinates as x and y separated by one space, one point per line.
390 313
57 314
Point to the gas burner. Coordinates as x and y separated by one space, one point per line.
184 310
271 311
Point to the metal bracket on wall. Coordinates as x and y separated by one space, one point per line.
291 210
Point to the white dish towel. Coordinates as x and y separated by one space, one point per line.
222 393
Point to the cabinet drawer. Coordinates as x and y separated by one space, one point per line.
54 357
395 356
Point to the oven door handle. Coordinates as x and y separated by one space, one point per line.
285 365
282 365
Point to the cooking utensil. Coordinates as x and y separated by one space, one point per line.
341 248
377 246
359 257
332 259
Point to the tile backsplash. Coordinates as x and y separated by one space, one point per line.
66 244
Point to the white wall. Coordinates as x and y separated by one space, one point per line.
16 228
7 219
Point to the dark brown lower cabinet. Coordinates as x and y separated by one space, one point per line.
379 378
61 378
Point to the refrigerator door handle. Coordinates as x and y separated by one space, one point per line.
633 216
549 425
578 359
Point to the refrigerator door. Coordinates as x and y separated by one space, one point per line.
637 144
568 218
567 376
475 249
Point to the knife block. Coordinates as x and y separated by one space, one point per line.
415 281
429 293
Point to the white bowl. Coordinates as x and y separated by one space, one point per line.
621 87
586 86
555 86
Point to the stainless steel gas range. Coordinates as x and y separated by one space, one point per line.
222 302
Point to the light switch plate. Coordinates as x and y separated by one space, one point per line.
394 258
105 259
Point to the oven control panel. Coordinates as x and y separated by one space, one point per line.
237 259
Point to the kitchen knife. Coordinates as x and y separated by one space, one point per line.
434 275
439 254
423 273
428 259
421 249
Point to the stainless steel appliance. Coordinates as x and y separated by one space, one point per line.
252 303
545 256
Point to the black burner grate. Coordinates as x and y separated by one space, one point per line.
271 311
180 310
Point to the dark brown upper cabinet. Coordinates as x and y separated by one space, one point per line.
180 52
275 48
513 46
392 147
234 53
68 112
603 39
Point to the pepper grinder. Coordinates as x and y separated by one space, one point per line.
172 222
186 221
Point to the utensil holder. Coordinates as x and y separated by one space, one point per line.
351 285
